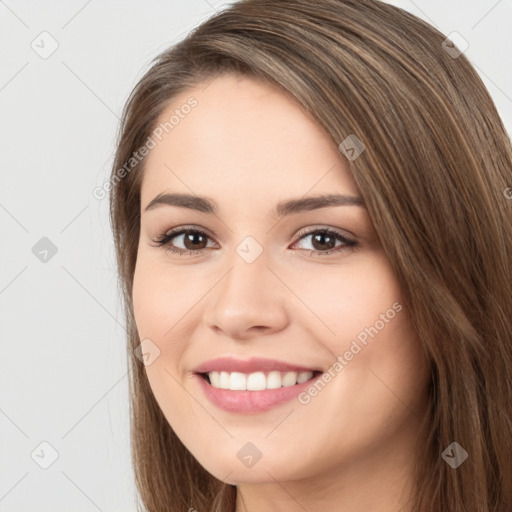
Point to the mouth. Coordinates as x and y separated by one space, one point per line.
257 381
254 393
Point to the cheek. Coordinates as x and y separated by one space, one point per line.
167 307
159 304
163 298
364 322
347 298
157 309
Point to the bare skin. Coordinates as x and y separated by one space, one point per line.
349 447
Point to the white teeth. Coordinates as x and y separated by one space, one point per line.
303 377
237 381
273 380
257 381
215 379
224 380
289 379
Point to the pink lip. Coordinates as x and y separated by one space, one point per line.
251 401
255 364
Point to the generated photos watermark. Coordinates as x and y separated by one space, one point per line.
100 192
366 335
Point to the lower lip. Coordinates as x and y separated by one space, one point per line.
252 401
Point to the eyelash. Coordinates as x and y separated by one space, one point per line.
164 240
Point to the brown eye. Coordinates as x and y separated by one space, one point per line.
193 240
323 241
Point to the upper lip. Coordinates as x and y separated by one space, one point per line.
254 364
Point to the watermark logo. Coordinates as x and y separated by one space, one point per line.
249 454
454 455
351 147
44 455
147 352
45 45
249 249
455 45
44 250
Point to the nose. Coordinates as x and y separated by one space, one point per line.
249 301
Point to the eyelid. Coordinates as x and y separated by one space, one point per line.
319 227
179 230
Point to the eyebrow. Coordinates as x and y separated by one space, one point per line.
207 205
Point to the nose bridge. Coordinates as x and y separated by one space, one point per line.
248 295
248 270
243 287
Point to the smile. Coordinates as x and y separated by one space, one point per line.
257 381
255 392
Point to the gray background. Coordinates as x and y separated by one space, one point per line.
63 379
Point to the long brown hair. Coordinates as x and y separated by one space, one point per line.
435 176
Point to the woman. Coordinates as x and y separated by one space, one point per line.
312 218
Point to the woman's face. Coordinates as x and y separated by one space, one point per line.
268 282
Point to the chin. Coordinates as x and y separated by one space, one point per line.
234 472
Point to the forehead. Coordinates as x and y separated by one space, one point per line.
245 139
